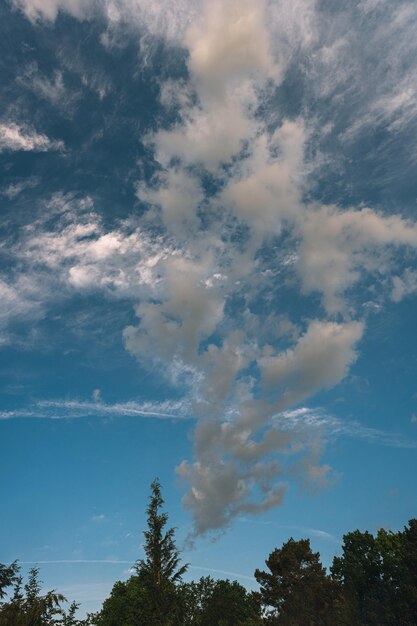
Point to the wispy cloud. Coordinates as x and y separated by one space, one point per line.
72 409
304 418
199 568
314 532
15 137
14 189
91 594
77 561
209 290
335 427
222 572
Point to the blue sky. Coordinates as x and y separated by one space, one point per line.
207 274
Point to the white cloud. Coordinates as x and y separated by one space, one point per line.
228 42
320 359
404 285
331 426
215 129
209 136
78 561
48 9
14 137
177 194
265 188
210 291
338 247
331 250
313 532
14 189
67 409
51 88
297 420
222 572
74 409
190 310
77 253
383 98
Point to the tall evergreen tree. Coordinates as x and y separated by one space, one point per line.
162 561
160 570
151 597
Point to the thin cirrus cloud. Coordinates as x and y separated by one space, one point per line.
14 189
300 419
72 409
315 532
336 427
209 290
199 568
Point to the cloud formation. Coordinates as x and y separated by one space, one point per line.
14 137
75 409
48 9
230 235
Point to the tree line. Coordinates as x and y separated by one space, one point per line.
372 583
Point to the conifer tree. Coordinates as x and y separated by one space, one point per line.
160 570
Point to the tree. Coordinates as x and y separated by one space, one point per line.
230 604
30 608
162 556
409 579
297 590
123 606
379 577
194 597
150 597
160 571
69 619
8 576
209 602
359 572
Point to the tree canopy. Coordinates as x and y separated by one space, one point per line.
372 582
297 590
26 605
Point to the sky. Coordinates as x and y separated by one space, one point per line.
207 274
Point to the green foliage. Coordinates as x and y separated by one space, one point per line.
297 590
69 618
193 598
372 583
408 589
230 604
8 576
160 571
162 556
27 606
379 577
150 598
122 607
359 571
30 608
211 602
